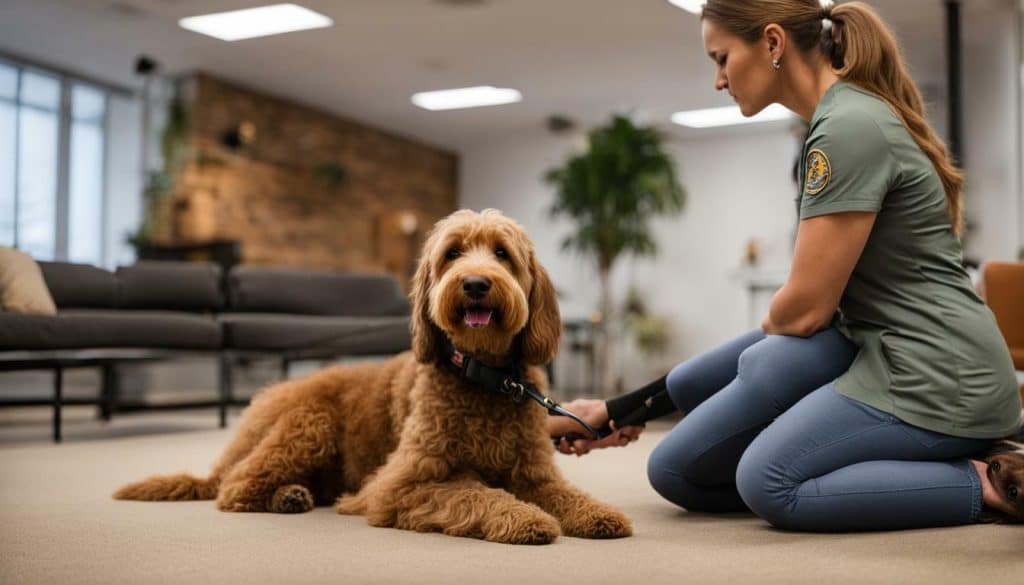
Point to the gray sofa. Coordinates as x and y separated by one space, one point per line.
166 310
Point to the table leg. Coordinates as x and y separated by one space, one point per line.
58 398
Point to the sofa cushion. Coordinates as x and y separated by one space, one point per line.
80 285
334 335
22 287
185 286
285 290
93 328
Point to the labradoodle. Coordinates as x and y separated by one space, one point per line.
406 442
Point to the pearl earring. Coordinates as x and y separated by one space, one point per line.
776 65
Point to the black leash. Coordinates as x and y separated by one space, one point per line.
507 381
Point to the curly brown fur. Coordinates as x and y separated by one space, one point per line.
424 450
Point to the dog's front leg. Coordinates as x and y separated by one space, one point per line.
466 507
460 506
381 493
578 513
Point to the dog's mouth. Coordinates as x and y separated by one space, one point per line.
477 316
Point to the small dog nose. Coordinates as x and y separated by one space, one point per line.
475 287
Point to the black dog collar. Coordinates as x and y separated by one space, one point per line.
507 381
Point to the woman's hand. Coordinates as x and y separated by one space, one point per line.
595 413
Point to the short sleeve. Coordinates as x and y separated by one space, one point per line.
848 166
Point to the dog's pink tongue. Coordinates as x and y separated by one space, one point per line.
478 317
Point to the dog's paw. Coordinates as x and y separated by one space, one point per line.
350 504
235 498
522 527
597 522
291 499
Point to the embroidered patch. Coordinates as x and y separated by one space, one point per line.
819 172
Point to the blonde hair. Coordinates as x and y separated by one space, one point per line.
863 51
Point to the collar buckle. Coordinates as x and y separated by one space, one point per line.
513 389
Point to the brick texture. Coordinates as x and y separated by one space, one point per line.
279 194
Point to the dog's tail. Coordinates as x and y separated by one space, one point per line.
165 488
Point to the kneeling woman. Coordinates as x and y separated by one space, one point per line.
878 372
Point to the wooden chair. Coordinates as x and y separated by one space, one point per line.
1002 285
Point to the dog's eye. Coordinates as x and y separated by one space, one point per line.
453 254
1013 492
501 253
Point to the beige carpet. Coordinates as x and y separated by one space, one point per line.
60 526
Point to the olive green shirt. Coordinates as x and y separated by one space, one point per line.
930 351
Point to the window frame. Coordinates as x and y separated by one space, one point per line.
65 120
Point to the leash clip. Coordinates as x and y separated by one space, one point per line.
513 389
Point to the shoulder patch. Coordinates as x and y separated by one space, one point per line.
819 172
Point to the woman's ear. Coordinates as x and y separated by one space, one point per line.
544 325
425 342
775 40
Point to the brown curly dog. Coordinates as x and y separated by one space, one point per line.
425 450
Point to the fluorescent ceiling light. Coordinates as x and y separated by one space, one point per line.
728 116
693 6
255 22
466 97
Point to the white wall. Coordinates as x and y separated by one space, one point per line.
992 152
124 186
739 186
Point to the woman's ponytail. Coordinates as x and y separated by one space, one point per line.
867 55
862 51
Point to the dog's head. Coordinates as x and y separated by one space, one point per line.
479 283
1006 472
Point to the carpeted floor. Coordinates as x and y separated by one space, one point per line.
59 525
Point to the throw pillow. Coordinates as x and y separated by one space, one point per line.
22 287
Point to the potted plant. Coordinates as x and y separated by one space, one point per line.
611 192
160 184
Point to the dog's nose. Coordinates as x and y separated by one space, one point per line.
475 287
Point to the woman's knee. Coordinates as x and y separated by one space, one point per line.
681 376
665 473
764 486
805 362
696 379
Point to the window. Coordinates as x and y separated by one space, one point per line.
52 159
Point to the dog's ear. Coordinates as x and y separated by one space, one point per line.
425 342
544 325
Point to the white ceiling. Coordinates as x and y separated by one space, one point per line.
581 58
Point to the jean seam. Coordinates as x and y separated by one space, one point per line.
892 491
976 493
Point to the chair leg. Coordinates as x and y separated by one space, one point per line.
58 398
226 383
109 391
285 367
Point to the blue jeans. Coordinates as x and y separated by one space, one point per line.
765 430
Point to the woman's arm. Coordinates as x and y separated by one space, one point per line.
827 249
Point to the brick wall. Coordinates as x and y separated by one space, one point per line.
280 196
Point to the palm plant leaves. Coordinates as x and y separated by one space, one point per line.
611 191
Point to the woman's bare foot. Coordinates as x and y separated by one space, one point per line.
989 495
